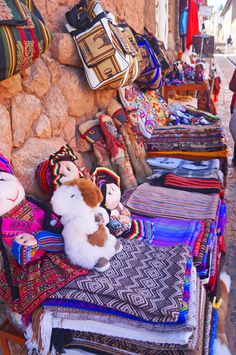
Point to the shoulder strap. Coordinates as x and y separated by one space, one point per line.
6 264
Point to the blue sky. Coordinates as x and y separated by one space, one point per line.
216 3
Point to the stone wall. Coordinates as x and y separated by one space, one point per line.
173 35
42 107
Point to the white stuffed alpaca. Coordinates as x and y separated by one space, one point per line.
88 243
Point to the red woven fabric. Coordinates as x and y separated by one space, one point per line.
38 281
193 23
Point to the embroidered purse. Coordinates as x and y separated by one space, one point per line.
109 58
23 36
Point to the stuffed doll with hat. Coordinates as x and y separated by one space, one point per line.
120 224
109 184
59 168
30 232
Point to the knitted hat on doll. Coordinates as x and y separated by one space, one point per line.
5 165
103 176
47 172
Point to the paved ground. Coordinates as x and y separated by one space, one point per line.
226 69
232 59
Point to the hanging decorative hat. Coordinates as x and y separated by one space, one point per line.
5 165
48 171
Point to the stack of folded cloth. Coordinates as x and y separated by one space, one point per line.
154 297
206 169
149 300
193 213
195 141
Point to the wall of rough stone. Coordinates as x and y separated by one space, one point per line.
173 36
41 109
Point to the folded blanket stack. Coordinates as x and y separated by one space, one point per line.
150 299
156 298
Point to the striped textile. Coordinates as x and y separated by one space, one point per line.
155 201
189 154
170 232
204 186
187 139
23 36
50 242
206 169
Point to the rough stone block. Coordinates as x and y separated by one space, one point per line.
26 159
56 109
25 109
5 132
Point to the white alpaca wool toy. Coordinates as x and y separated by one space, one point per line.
88 243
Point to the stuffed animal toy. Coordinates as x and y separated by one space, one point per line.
29 231
109 184
59 168
88 242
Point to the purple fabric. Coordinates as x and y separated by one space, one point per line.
5 165
170 232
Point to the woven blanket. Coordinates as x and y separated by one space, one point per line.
198 259
207 327
187 139
155 201
186 165
204 186
95 340
77 310
65 316
38 280
144 281
218 154
206 169
170 232
93 343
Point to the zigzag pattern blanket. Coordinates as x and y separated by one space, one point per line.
143 281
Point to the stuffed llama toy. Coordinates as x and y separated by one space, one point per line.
88 243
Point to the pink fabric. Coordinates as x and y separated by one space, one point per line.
11 227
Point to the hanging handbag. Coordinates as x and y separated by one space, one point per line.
109 58
23 36
150 76
160 51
